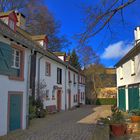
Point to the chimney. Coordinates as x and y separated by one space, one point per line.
21 20
137 35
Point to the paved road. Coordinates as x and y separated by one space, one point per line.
70 125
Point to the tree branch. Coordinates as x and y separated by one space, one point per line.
109 14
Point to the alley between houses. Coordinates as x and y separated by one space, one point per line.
76 124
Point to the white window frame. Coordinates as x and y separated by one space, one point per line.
48 69
14 54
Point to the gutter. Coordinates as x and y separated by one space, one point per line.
38 76
28 89
66 87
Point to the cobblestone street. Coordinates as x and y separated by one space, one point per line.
77 124
70 125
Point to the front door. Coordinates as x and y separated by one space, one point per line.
59 100
69 99
15 111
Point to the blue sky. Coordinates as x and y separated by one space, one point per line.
109 47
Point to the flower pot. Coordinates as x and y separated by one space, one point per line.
135 118
118 129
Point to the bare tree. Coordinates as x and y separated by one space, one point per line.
41 90
6 5
99 16
87 56
94 82
39 20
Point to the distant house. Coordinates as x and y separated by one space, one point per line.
109 89
75 83
25 65
128 77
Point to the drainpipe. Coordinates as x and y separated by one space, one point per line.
66 87
38 78
28 88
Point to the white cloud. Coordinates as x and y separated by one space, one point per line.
116 50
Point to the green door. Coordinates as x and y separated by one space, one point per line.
122 99
15 112
133 97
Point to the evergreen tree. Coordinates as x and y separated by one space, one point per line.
74 60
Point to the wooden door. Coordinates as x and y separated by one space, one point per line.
122 98
133 97
15 112
59 100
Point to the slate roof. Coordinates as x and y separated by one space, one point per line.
133 52
26 39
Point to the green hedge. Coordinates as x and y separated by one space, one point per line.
106 101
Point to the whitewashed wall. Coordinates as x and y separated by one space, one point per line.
127 78
73 87
12 85
82 89
51 80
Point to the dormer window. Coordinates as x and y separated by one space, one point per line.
9 18
12 24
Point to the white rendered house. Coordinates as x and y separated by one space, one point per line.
14 72
128 77
26 63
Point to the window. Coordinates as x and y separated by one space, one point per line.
74 78
12 24
17 62
48 69
16 59
121 72
59 76
47 94
74 98
53 93
132 66
81 96
69 77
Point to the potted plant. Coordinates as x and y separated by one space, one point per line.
117 124
135 115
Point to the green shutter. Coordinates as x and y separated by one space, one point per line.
122 99
6 60
133 97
